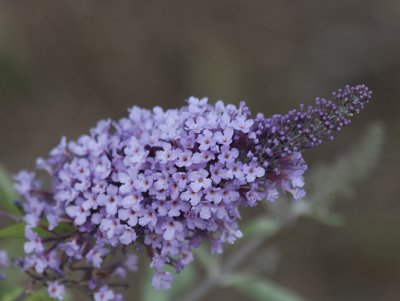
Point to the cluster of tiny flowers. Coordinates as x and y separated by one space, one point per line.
3 263
164 181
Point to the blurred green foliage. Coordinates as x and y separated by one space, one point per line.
328 183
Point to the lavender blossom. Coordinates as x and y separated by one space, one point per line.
104 294
163 181
162 280
56 290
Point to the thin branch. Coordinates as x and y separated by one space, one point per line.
231 264
10 216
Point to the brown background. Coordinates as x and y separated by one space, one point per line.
66 64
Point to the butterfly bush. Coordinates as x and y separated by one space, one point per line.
161 182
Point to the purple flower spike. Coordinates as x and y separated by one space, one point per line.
163 181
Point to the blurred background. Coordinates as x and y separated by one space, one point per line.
66 64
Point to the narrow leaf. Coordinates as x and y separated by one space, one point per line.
262 225
260 289
40 295
61 228
327 218
13 295
208 261
13 231
7 193
18 230
183 281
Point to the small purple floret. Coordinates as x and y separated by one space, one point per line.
56 290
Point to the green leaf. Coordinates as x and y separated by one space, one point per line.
64 228
11 296
18 230
42 232
7 193
208 261
327 218
61 228
262 225
13 231
260 289
183 281
40 295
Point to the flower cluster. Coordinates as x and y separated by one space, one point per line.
3 263
164 181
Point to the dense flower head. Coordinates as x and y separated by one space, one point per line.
164 181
